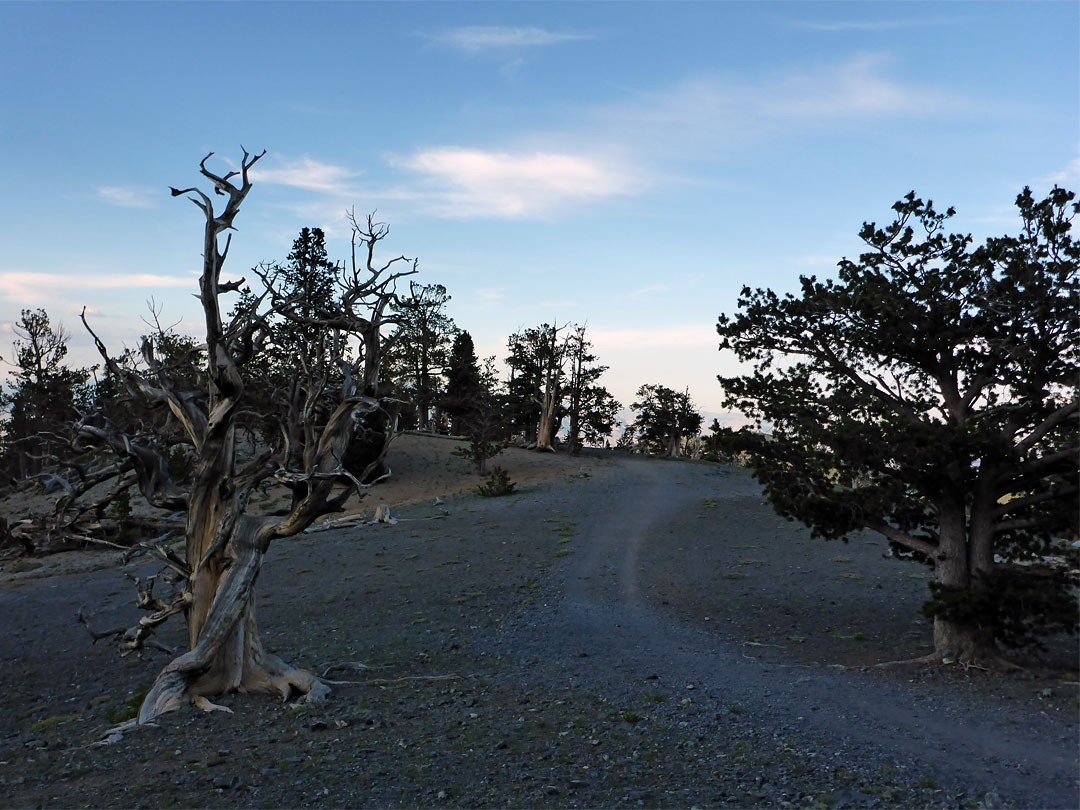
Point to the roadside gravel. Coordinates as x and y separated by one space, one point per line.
648 636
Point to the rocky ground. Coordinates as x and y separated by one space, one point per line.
621 633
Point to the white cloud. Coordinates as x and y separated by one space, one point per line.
649 291
308 174
490 295
672 337
709 112
817 260
873 25
466 183
856 89
35 289
130 196
477 38
1069 177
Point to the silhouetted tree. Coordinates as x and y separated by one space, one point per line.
535 390
464 382
590 408
663 418
930 393
42 398
420 350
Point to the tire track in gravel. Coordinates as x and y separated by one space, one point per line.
600 624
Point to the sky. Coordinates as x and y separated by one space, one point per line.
626 165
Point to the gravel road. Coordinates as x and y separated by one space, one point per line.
647 635
961 737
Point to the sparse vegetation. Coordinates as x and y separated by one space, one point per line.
497 485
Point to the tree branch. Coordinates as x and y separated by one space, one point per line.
906 540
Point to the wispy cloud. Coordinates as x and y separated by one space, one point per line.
816 260
467 183
491 296
673 337
478 38
308 174
712 111
872 25
33 289
649 291
1068 177
130 196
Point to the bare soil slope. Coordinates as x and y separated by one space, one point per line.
623 632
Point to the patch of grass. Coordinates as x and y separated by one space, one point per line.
927 782
130 708
841 559
22 566
563 552
850 576
465 597
709 503
733 575
498 484
857 636
735 708
49 722
565 531
751 562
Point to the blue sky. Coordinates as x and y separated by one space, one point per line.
631 165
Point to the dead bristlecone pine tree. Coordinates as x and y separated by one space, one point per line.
225 545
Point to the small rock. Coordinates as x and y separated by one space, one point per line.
853 798
270 772
551 790
221 783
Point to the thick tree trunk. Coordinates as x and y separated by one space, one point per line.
225 550
573 433
674 448
423 400
965 641
546 429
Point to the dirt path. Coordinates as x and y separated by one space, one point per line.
648 636
942 729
